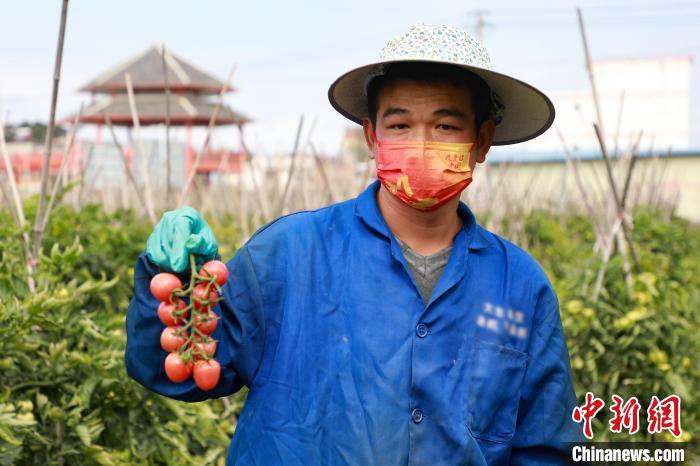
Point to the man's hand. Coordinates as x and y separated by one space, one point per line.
179 233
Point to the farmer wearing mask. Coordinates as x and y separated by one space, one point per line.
389 329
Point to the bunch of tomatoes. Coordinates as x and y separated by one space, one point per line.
190 323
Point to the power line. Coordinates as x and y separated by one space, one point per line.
635 13
599 9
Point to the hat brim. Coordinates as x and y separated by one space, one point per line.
527 114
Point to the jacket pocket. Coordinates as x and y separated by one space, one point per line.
495 378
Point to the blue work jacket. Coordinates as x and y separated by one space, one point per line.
322 320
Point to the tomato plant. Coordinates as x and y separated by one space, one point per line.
65 397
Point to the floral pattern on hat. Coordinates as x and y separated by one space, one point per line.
443 43
431 42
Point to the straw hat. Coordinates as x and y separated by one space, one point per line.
521 111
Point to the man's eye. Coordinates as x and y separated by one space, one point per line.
398 126
446 127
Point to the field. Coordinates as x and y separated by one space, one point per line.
65 397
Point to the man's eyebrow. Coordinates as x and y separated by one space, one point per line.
454 112
394 111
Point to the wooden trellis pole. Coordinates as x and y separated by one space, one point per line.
49 132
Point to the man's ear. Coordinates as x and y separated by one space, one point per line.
485 139
369 137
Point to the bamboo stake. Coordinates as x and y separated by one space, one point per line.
124 195
330 198
290 172
589 68
79 197
93 180
619 239
127 170
210 127
243 194
563 192
618 202
495 218
645 168
628 178
600 132
220 169
258 193
365 176
147 193
11 175
305 183
301 180
653 167
7 201
29 257
577 177
597 195
49 130
607 252
168 188
621 246
67 147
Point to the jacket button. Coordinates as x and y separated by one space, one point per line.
417 415
422 330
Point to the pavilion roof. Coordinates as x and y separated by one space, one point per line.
146 71
185 109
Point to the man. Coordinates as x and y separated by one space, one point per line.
390 329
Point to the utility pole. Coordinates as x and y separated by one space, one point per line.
479 23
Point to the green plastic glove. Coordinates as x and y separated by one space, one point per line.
179 233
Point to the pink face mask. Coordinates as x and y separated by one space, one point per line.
424 175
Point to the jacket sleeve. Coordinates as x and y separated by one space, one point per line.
240 333
544 425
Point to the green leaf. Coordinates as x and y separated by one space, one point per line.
7 435
83 433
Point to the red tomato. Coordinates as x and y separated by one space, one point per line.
217 269
204 347
163 285
199 294
166 313
176 369
172 338
206 323
206 374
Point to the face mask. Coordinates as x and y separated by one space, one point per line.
424 175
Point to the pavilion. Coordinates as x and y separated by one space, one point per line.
167 89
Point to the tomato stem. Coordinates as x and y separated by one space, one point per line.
186 349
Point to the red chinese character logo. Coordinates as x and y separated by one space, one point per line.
665 415
587 412
626 415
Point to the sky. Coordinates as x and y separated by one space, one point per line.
287 54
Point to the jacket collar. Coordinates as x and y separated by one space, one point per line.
367 209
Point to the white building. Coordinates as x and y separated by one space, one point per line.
647 94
